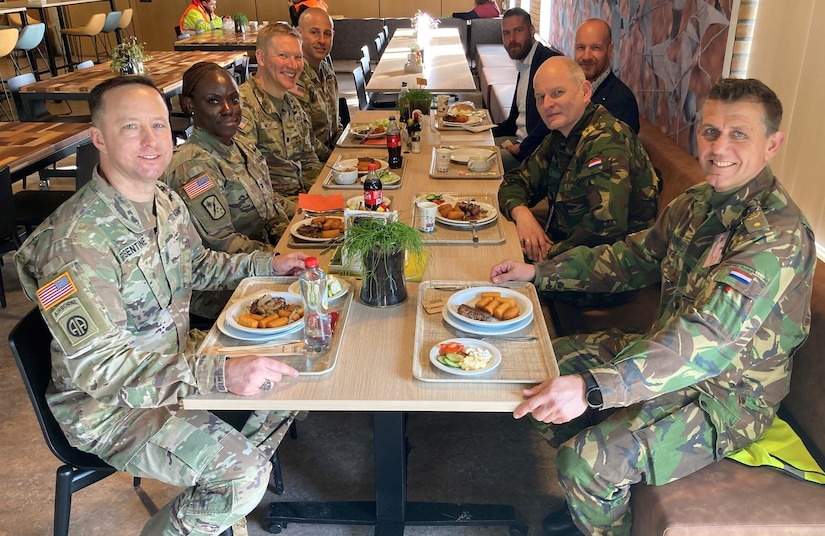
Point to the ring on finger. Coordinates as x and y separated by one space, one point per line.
267 385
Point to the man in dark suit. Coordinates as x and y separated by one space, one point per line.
517 33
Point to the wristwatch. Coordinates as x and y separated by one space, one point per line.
592 392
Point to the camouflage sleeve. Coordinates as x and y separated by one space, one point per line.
199 182
601 170
529 184
311 166
757 295
89 325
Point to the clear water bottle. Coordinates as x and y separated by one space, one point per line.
317 327
394 144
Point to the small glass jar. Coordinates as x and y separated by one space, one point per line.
415 143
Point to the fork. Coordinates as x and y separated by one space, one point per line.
475 235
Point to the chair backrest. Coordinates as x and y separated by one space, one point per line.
379 46
343 111
8 221
8 40
87 158
125 18
386 32
177 31
365 52
366 68
30 340
360 88
112 21
95 24
30 36
85 65
15 83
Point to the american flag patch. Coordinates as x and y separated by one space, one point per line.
741 276
197 186
54 292
595 162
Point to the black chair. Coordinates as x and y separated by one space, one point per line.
9 236
343 111
375 100
30 340
360 88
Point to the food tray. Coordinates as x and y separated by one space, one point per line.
305 366
295 242
522 361
330 184
347 140
489 233
438 123
460 171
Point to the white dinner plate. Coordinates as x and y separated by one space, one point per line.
494 362
229 331
492 214
386 177
361 132
469 296
471 120
444 198
242 306
484 331
355 202
353 162
295 288
293 230
462 156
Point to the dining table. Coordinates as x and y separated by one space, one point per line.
218 40
444 67
165 69
28 147
380 360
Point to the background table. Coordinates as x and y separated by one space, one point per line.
445 64
29 147
375 365
165 69
218 40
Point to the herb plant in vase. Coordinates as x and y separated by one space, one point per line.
382 246
128 57
241 22
415 99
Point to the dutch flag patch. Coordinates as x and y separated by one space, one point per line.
741 276
596 162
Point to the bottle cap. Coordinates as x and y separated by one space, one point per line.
372 167
392 118
311 262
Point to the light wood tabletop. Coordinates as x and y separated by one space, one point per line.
445 64
31 146
218 40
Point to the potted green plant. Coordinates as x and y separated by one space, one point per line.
415 99
241 22
128 57
382 246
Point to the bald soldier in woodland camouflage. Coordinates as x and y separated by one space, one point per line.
112 271
735 258
273 118
591 168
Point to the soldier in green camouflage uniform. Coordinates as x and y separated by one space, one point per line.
112 271
224 182
591 168
317 88
273 119
735 258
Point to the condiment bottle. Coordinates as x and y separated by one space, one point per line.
394 144
317 327
373 188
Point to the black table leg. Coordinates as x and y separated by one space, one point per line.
391 512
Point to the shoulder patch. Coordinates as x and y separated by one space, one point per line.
56 291
243 123
198 185
214 207
299 90
596 162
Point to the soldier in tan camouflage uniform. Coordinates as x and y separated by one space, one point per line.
224 182
112 271
317 88
273 118
735 258
591 168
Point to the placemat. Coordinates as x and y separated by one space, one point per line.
521 361
330 184
305 366
489 233
460 171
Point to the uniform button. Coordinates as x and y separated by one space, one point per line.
720 451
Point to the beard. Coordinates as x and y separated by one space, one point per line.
518 52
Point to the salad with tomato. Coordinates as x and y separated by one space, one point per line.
465 357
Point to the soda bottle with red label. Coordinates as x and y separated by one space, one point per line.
373 189
394 144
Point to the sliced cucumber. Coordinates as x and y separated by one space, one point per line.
444 361
455 358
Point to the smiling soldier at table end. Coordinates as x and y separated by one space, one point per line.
735 258
112 271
